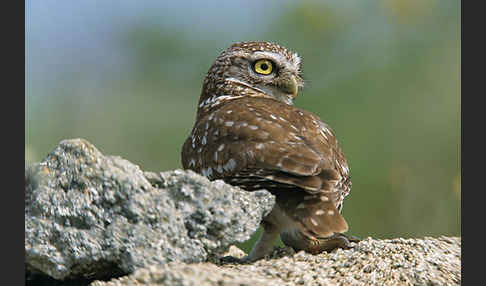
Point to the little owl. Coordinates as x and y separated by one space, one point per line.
249 134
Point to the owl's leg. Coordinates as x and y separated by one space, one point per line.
264 245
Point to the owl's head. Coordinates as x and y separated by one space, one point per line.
254 69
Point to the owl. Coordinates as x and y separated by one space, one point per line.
248 133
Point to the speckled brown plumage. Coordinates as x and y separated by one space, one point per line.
249 134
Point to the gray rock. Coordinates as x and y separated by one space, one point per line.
427 261
92 216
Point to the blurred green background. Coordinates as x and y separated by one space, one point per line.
385 75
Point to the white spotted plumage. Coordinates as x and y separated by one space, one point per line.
249 134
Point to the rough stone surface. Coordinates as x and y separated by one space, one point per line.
92 216
427 261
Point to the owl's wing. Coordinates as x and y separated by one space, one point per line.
265 144
266 139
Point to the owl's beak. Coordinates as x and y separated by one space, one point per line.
291 87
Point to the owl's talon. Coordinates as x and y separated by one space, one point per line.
234 260
352 238
338 240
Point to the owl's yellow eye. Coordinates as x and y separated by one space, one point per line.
263 67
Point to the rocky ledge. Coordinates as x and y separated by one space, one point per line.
101 220
427 261
90 216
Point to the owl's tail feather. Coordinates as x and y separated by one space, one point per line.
320 224
305 222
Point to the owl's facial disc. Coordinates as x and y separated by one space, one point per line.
283 85
275 75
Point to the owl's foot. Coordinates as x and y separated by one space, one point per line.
352 238
234 260
338 240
